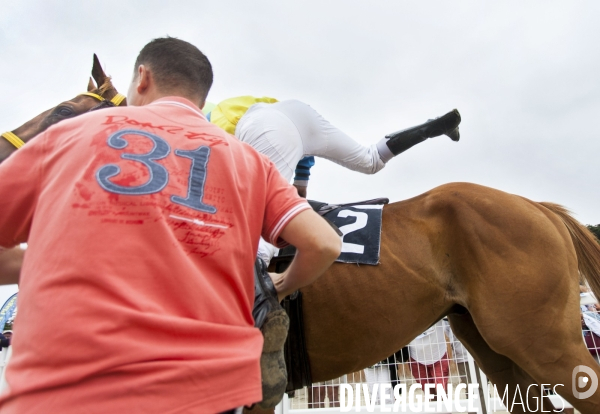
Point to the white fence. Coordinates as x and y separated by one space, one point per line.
491 402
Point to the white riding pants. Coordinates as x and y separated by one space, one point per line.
290 130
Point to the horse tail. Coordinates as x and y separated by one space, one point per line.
586 245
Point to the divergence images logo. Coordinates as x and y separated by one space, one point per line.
585 382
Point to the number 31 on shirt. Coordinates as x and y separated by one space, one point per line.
159 176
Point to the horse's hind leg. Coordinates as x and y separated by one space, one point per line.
543 338
503 372
556 362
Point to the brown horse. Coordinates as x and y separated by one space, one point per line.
503 268
103 93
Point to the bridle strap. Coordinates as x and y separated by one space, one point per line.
13 139
93 95
18 142
116 100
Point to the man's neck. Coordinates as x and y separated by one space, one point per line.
153 94
182 94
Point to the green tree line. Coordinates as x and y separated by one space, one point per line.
595 229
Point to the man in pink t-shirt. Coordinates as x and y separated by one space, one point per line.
142 226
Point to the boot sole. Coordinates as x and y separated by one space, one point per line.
272 360
275 330
274 378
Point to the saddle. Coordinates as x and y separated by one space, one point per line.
324 208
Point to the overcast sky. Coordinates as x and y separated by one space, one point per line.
524 75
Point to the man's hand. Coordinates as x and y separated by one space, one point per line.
277 279
317 246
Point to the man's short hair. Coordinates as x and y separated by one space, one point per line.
177 65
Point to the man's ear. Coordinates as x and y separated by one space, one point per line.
144 79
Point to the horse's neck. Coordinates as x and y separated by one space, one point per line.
25 132
6 149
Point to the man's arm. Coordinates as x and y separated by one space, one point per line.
317 246
10 265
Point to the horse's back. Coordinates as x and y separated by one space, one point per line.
494 231
462 203
482 222
501 249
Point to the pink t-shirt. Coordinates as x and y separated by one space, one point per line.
137 288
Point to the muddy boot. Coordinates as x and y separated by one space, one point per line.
273 322
400 141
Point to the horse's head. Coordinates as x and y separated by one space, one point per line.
100 94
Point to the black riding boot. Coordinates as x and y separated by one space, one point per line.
400 141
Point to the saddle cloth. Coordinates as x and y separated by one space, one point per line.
360 227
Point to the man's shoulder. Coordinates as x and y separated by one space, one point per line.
161 120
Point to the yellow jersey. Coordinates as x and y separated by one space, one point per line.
228 112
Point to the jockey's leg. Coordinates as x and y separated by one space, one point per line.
320 138
289 130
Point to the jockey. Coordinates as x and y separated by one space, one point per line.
288 131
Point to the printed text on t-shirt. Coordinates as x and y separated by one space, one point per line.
171 129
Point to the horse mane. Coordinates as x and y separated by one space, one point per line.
106 85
